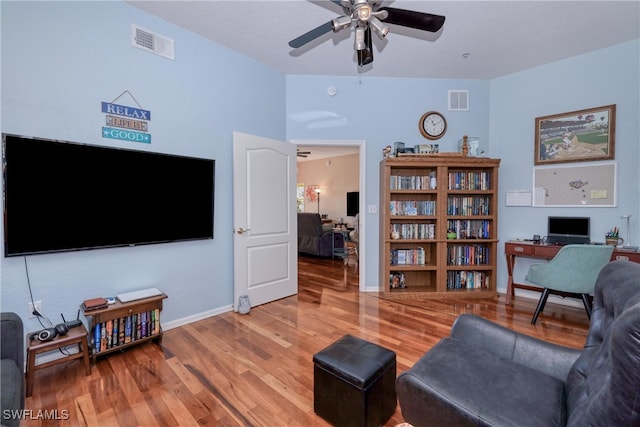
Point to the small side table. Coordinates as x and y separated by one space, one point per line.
77 335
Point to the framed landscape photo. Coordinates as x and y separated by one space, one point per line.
577 136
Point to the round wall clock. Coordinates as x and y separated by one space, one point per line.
432 125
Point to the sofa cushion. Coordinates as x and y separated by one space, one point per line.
12 390
455 384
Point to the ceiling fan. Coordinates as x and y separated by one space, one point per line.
365 15
300 153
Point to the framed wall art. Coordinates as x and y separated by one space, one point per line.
577 136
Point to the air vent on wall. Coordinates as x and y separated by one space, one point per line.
458 100
152 42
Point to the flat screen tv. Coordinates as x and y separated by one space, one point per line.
566 230
63 196
353 203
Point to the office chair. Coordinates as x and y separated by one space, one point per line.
573 271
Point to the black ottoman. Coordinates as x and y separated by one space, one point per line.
354 383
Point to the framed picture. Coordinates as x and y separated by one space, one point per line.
577 136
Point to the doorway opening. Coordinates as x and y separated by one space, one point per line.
327 172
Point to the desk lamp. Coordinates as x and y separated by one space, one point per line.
628 242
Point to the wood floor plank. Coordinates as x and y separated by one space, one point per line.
256 369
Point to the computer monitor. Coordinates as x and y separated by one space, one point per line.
565 230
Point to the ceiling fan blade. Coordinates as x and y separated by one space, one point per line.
311 35
365 56
413 19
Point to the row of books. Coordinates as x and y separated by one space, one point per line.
415 231
117 332
397 280
412 207
418 182
468 205
468 255
415 256
467 280
469 180
470 228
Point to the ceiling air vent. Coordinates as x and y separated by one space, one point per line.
458 100
152 42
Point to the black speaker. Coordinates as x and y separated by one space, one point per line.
47 334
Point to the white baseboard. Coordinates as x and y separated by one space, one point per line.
555 299
195 317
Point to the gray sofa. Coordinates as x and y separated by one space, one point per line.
313 238
11 367
487 375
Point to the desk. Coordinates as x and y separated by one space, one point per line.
514 249
77 335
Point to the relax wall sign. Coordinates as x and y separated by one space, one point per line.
125 122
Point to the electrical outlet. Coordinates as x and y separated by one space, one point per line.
38 305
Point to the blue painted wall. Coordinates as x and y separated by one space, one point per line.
380 111
59 61
604 77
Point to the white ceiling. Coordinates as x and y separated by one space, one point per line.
501 37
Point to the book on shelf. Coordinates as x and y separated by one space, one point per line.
468 205
461 255
121 330
109 325
420 231
470 228
94 304
469 180
127 330
415 256
96 338
467 280
412 207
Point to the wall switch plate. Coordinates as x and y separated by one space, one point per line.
372 209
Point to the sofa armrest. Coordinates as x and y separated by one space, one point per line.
552 359
12 338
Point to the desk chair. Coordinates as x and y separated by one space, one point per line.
572 271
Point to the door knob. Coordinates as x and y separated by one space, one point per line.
242 230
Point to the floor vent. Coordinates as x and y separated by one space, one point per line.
152 42
458 100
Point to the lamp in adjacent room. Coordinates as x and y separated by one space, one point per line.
628 245
317 190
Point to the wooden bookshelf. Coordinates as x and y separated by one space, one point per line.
422 199
140 319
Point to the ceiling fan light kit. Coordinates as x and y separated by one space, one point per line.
366 15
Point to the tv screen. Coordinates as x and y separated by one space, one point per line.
566 230
353 203
63 196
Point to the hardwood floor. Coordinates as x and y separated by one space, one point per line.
256 369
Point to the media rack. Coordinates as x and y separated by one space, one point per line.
121 325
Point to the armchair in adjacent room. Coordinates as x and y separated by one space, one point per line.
573 271
313 237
